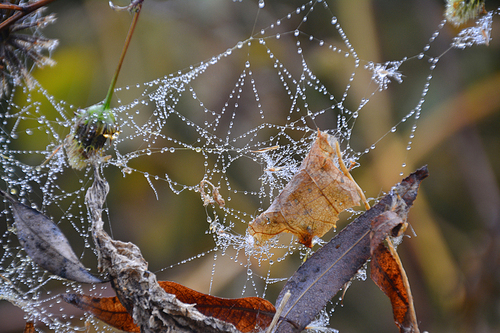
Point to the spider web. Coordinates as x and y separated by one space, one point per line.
246 144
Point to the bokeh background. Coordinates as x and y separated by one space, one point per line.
454 261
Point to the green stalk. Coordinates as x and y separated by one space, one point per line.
107 101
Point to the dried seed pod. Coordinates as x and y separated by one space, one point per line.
93 127
310 203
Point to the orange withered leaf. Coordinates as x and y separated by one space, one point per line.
247 314
387 269
107 309
310 203
388 274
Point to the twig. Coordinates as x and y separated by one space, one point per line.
279 310
136 6
22 11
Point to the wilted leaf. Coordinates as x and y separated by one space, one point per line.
46 245
388 274
310 203
246 314
107 309
326 271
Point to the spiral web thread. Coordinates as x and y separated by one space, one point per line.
168 119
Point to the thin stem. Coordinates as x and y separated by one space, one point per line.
107 101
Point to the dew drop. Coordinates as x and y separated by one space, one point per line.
334 20
261 3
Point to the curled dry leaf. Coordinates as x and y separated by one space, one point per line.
106 309
387 271
389 275
247 314
310 203
46 245
319 279
208 199
387 223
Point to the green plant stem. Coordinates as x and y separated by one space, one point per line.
107 101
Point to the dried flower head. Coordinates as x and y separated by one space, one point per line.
21 44
460 11
92 128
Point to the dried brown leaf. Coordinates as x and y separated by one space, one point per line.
107 309
310 203
389 275
246 314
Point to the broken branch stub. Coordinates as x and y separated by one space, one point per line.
310 203
319 279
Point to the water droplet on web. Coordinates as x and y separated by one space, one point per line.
247 64
393 129
29 131
296 33
261 3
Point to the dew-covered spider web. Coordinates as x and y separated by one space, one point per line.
232 150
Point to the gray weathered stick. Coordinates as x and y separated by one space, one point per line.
152 308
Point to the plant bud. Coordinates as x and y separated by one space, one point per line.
88 136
